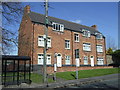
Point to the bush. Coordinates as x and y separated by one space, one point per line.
116 57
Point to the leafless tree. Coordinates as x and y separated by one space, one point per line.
111 43
11 13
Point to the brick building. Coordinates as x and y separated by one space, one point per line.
70 42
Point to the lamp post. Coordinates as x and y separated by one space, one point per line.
45 42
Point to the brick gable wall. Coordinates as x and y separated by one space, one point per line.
28 44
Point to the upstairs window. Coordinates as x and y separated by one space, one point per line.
67 44
86 47
99 48
86 33
41 41
98 36
76 37
58 27
100 61
49 42
85 60
67 60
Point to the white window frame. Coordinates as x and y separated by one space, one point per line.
100 61
48 59
86 33
57 27
40 62
41 41
85 58
40 56
76 37
67 60
67 44
98 36
86 46
49 42
99 48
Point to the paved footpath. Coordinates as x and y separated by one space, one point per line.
69 83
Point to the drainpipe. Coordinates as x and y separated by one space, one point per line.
96 49
32 45
72 46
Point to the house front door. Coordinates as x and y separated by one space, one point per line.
92 60
59 60
77 62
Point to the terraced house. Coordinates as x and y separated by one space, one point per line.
68 43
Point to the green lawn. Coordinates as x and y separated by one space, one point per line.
87 73
37 78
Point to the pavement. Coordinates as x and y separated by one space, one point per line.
69 83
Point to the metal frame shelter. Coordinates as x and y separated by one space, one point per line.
16 70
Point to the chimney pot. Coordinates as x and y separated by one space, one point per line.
27 9
94 26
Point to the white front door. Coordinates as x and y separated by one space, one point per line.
59 60
77 62
92 60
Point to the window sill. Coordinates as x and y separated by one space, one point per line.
86 36
77 41
67 48
86 51
43 47
99 52
59 31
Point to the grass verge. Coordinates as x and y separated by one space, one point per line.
87 73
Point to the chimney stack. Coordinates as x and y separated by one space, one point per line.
27 9
94 26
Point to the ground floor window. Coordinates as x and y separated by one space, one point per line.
100 61
67 60
41 58
85 60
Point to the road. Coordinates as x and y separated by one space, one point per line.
111 82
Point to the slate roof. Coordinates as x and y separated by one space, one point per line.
40 18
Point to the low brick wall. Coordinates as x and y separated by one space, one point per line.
73 68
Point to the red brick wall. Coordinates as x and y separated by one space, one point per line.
25 37
28 44
68 68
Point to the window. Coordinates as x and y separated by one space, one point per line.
86 33
41 59
99 48
58 27
76 37
100 61
86 47
49 42
98 36
48 59
85 60
67 60
41 41
76 53
67 44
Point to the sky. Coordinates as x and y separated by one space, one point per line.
102 14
